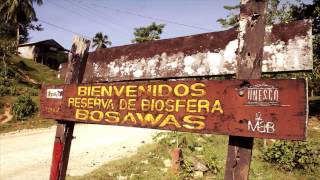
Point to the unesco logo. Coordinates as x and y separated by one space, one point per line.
262 95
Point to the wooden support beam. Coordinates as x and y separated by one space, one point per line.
76 65
249 62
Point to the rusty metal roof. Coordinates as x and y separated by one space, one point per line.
50 42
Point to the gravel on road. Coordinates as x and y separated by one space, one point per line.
27 154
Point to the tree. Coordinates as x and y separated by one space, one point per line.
100 41
310 11
7 45
232 18
275 14
149 33
288 12
19 13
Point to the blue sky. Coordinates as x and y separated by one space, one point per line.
118 18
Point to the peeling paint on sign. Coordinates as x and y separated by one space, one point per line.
295 54
201 63
288 47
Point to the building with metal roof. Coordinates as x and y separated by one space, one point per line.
48 52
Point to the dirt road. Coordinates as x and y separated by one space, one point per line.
27 154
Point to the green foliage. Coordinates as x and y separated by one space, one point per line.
210 159
100 41
298 11
315 75
9 75
149 33
273 11
24 107
17 11
7 87
187 170
216 145
275 14
7 42
292 155
7 91
18 16
232 7
21 70
33 92
232 19
7 47
192 145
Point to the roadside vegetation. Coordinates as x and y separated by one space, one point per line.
20 79
20 83
204 158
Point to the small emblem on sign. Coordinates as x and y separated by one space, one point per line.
54 93
260 125
262 95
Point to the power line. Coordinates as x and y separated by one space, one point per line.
75 12
62 28
94 12
147 17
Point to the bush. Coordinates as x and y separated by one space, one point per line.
3 90
7 91
11 74
7 87
292 155
24 107
192 145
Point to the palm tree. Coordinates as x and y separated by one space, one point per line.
100 41
18 12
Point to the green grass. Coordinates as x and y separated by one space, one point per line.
31 123
40 74
134 167
216 144
267 171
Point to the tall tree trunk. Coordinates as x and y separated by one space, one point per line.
18 35
5 65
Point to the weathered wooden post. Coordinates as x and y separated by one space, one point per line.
249 60
76 66
176 156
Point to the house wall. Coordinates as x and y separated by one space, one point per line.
26 51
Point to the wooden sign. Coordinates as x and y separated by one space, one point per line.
255 108
243 108
287 47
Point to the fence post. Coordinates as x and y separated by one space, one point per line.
249 59
77 60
